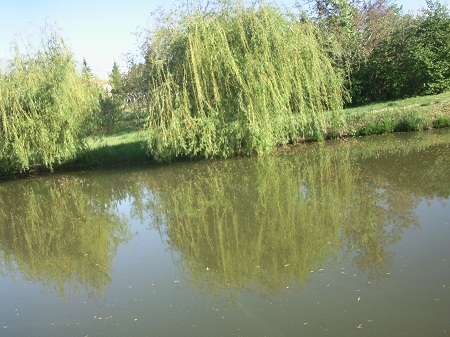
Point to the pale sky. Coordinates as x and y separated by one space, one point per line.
98 30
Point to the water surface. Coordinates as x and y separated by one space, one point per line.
342 238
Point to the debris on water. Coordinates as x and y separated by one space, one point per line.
359 326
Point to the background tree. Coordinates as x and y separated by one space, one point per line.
136 78
115 78
355 28
111 103
413 60
86 69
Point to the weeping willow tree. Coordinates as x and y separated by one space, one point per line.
236 77
44 104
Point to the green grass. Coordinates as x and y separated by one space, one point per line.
124 148
412 114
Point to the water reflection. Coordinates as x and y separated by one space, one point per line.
268 223
257 224
62 233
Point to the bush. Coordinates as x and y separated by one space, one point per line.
414 61
111 109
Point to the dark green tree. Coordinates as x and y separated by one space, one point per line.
433 54
115 78
355 29
136 78
86 69
413 61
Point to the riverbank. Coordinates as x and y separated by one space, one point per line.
414 114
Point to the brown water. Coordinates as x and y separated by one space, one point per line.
343 238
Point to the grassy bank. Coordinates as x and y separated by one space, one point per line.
128 147
120 149
414 114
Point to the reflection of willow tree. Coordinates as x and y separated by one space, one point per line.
252 222
269 222
59 232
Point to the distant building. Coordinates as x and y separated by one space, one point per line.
107 88
105 85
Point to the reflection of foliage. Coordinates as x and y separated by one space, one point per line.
269 222
254 223
264 224
54 232
398 181
428 179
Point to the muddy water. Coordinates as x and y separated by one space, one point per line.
341 238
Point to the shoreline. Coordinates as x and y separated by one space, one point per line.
127 149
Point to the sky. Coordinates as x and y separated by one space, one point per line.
102 32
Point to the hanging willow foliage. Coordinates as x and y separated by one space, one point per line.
44 105
237 77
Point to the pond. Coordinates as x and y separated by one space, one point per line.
342 238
